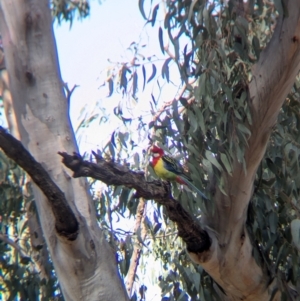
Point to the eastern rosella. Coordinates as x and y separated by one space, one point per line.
169 169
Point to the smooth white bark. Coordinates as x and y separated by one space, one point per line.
229 261
86 268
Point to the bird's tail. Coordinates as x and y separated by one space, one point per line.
192 186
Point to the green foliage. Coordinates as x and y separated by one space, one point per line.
275 202
68 9
20 277
214 44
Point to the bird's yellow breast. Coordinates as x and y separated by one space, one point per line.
162 172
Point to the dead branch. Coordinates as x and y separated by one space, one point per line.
69 92
65 221
136 254
39 253
24 257
112 173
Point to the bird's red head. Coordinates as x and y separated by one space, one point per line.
157 151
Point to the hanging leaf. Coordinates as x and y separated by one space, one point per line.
165 69
123 138
125 120
112 139
123 78
221 186
152 75
161 42
244 129
154 14
134 85
211 158
111 87
144 77
226 163
141 7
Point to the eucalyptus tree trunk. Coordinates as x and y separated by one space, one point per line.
230 260
84 262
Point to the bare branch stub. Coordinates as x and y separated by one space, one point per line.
65 221
112 173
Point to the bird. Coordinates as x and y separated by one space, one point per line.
169 169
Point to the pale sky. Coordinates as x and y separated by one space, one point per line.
84 51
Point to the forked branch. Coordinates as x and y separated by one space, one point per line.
65 221
112 173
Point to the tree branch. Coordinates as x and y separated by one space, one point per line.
136 254
65 221
24 257
112 173
39 252
69 92
273 77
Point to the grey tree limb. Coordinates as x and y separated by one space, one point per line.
65 221
112 173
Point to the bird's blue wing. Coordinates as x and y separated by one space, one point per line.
172 165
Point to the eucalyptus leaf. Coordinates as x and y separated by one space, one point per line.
212 158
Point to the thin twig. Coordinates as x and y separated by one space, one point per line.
168 104
12 243
69 92
39 252
136 254
126 233
167 50
189 101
